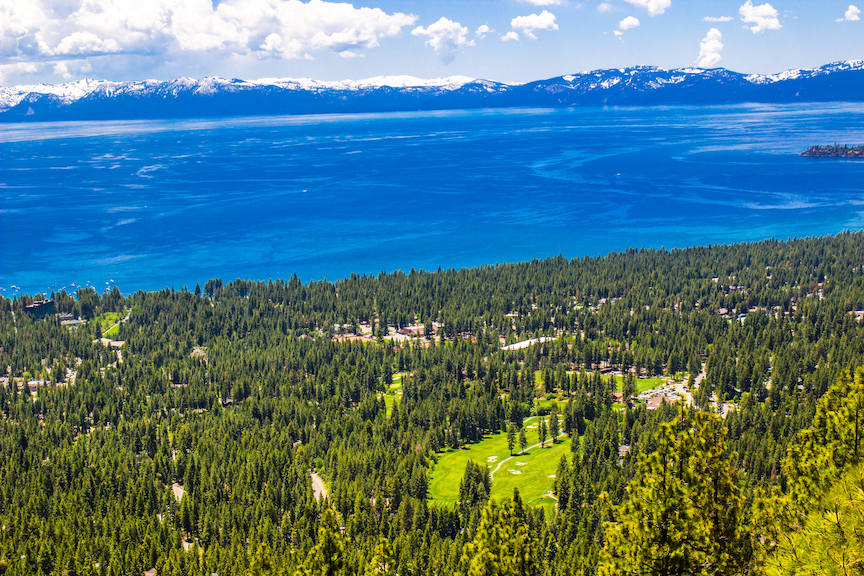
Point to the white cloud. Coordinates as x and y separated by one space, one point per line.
86 43
852 14
19 21
628 23
618 33
482 31
17 70
717 19
510 36
61 70
265 28
545 2
604 7
654 7
528 24
763 17
445 37
710 49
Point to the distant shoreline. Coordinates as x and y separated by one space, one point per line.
834 151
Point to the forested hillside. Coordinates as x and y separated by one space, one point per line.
185 439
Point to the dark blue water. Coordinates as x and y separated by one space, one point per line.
168 203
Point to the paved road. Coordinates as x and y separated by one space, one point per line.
318 486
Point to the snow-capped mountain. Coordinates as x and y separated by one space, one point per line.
188 97
807 72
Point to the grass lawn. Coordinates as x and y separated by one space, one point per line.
394 392
108 320
642 384
530 471
546 405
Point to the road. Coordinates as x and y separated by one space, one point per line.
318 486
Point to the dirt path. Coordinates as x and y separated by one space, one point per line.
318 486
124 319
492 474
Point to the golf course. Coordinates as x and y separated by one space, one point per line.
532 471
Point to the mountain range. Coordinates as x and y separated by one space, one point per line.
207 97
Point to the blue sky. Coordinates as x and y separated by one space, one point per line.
506 40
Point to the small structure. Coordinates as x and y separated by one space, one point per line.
655 402
68 320
525 343
623 451
414 331
115 344
40 308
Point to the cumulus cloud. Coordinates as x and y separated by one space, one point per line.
604 7
263 28
852 14
528 24
18 69
654 7
62 70
717 19
482 31
509 36
710 49
628 23
445 37
763 17
85 43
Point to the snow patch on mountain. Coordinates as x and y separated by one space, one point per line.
67 92
613 83
797 73
72 91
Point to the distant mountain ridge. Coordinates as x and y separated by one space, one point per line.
644 85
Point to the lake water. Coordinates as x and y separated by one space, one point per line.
152 204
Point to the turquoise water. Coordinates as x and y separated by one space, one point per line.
151 204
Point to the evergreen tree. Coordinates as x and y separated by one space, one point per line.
682 512
382 562
331 556
553 423
817 527
628 388
502 544
541 432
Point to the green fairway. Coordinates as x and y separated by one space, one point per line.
642 384
533 472
394 392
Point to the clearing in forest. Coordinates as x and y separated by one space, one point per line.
532 471
394 392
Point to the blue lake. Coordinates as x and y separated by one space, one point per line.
150 204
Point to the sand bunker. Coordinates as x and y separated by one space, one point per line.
512 471
492 459
520 464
